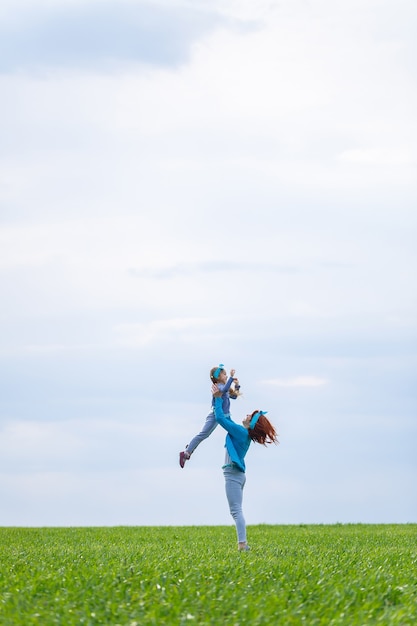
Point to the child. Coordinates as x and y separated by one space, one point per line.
218 376
256 427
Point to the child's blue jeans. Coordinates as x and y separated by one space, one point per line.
209 425
234 482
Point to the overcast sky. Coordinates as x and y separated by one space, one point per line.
189 182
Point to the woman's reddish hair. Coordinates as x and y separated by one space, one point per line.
263 432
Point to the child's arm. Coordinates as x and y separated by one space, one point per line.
235 392
225 388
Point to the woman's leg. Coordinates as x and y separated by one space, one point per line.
235 482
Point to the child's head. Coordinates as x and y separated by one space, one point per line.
218 374
260 428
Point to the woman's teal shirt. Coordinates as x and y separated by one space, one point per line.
237 438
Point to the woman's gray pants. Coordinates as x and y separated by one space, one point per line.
234 482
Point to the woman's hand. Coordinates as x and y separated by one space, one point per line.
232 373
215 391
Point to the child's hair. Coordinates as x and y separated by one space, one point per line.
263 432
213 378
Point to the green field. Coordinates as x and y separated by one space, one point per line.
137 576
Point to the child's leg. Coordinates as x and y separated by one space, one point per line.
209 425
234 482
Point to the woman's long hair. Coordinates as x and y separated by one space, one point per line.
263 431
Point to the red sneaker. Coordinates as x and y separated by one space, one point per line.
184 456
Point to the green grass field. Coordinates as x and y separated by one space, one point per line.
137 576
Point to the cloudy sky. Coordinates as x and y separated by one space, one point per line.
188 182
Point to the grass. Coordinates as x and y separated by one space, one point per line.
351 575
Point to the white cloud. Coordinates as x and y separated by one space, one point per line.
297 381
377 156
134 335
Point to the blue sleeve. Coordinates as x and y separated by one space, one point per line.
227 423
225 388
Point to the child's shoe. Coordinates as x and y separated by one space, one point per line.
184 456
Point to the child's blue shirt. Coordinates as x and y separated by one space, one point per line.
225 396
237 438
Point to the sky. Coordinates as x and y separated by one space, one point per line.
185 183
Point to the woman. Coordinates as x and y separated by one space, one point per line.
256 427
